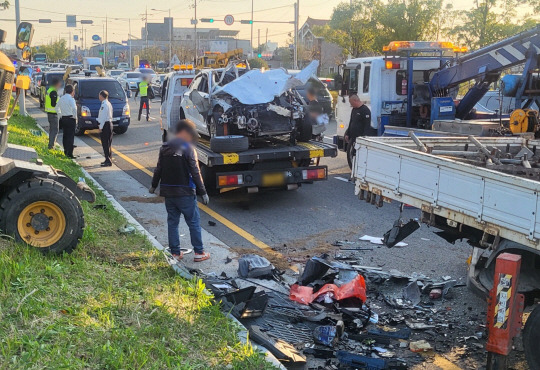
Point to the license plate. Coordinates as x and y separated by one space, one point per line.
273 179
116 119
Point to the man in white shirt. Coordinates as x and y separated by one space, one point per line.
104 119
66 109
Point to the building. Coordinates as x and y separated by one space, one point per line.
312 47
111 52
208 39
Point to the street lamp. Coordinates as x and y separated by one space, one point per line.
170 31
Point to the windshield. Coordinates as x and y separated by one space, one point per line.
149 71
94 66
115 73
54 76
91 89
133 75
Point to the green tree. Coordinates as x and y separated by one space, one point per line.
257 63
352 26
4 5
491 20
55 51
152 54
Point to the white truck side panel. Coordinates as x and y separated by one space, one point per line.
476 196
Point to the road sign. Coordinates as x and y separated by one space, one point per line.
71 20
246 21
75 38
229 20
96 38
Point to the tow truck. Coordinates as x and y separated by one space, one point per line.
483 189
415 83
270 162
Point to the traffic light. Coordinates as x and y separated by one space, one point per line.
207 20
246 21
259 55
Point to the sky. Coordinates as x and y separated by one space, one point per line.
122 12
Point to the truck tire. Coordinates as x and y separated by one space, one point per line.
229 144
44 214
120 130
531 338
304 131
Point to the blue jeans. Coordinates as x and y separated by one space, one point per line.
187 206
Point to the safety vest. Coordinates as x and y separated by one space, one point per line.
143 88
48 105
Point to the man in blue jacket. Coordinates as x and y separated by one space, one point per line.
179 176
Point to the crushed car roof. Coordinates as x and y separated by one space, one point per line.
259 87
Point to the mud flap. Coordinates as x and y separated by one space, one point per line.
400 231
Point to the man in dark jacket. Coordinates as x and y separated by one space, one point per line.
360 123
178 172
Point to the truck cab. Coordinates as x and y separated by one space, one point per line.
395 86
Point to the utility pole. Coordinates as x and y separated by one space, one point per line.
129 42
258 38
146 26
195 39
22 105
105 51
251 28
170 36
266 39
295 59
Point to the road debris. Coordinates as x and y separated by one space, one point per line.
420 346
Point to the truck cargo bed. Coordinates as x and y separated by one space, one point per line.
453 178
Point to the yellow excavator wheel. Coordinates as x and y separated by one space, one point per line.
41 224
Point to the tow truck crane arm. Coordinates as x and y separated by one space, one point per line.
485 66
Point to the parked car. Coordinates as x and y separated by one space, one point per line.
123 66
35 82
130 80
114 73
87 98
46 81
253 103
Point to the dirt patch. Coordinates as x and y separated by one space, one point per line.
276 260
143 199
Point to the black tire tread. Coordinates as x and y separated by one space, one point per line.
120 130
28 190
531 338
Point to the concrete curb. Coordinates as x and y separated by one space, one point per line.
243 334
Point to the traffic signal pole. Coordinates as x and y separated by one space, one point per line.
295 61
22 105
251 28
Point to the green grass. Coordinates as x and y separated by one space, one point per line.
114 303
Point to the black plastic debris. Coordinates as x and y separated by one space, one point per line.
245 303
364 362
322 353
314 270
283 350
328 335
403 333
400 231
253 266
412 293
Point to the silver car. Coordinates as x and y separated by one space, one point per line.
130 80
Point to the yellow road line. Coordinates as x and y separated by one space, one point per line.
442 363
226 222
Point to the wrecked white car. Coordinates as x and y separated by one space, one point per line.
252 103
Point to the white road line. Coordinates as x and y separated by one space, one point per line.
341 179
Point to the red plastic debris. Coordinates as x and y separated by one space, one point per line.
355 288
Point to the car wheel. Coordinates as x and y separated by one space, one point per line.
229 144
120 130
531 338
79 131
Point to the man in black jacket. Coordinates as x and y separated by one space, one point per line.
360 123
178 172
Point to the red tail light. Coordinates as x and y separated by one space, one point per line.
230 180
315 174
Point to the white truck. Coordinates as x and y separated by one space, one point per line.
90 64
486 190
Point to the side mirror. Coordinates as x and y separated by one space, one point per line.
25 32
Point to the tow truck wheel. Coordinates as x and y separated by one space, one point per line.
44 214
531 338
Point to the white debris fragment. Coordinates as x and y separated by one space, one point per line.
282 111
379 241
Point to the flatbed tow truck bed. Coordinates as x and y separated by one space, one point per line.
272 163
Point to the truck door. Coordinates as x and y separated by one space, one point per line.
349 86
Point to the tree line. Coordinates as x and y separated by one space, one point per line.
363 27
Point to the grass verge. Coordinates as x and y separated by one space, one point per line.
113 303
